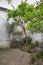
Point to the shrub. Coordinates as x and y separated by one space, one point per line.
37 58
30 46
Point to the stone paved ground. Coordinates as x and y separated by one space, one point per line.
14 57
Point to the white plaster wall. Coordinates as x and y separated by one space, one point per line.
36 37
5 4
3 14
4 35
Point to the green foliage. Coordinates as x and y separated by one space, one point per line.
37 57
30 46
33 59
40 54
24 9
34 26
29 13
10 14
33 45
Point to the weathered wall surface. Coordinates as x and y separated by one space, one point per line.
4 34
3 13
36 37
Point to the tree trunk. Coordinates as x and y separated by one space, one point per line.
25 34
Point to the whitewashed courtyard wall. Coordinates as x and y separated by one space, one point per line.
4 34
3 14
35 37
